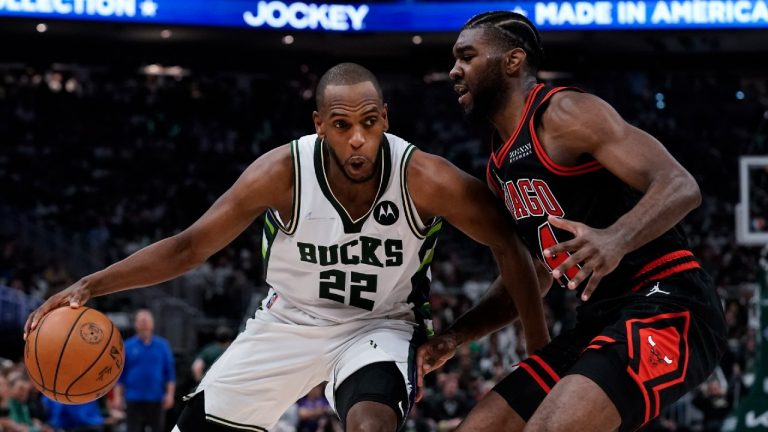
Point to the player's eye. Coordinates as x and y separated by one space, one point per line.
339 124
370 121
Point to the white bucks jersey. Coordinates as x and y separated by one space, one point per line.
332 267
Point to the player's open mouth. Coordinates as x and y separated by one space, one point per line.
463 92
357 163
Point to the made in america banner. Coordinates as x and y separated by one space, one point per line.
411 16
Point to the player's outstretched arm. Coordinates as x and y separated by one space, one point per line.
266 183
438 188
580 123
495 310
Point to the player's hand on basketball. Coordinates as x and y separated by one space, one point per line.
75 295
597 251
432 355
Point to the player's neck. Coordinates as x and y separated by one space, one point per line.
507 117
356 197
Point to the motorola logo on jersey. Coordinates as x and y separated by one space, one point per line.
386 213
531 197
301 16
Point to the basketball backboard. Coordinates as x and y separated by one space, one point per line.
752 209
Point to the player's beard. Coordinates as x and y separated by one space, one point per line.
340 166
488 94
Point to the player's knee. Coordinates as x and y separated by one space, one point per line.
492 413
370 424
367 416
373 398
546 424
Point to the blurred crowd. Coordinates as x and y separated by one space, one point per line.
107 161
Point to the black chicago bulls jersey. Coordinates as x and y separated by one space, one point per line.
534 186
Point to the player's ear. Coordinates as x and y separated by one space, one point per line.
513 61
385 117
319 126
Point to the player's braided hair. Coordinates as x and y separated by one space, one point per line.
512 30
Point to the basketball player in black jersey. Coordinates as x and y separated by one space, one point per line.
598 202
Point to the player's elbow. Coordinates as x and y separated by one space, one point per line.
695 197
691 191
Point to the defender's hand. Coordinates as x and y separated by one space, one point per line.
75 296
432 355
598 251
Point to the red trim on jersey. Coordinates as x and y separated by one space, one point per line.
640 379
662 260
668 272
490 180
604 339
595 347
599 342
545 366
646 396
548 163
536 377
498 158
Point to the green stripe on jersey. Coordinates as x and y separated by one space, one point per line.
269 225
419 295
268 238
428 259
435 228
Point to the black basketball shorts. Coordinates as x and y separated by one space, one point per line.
645 349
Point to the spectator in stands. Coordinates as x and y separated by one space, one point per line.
211 352
12 303
449 407
57 277
76 418
315 413
18 404
85 145
6 424
148 382
416 422
711 399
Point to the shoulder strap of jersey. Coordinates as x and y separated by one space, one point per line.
542 100
271 217
420 229
532 100
535 117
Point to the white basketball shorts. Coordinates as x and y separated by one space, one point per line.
273 363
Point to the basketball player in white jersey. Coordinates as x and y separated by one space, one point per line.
352 217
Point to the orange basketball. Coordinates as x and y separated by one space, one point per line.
74 356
